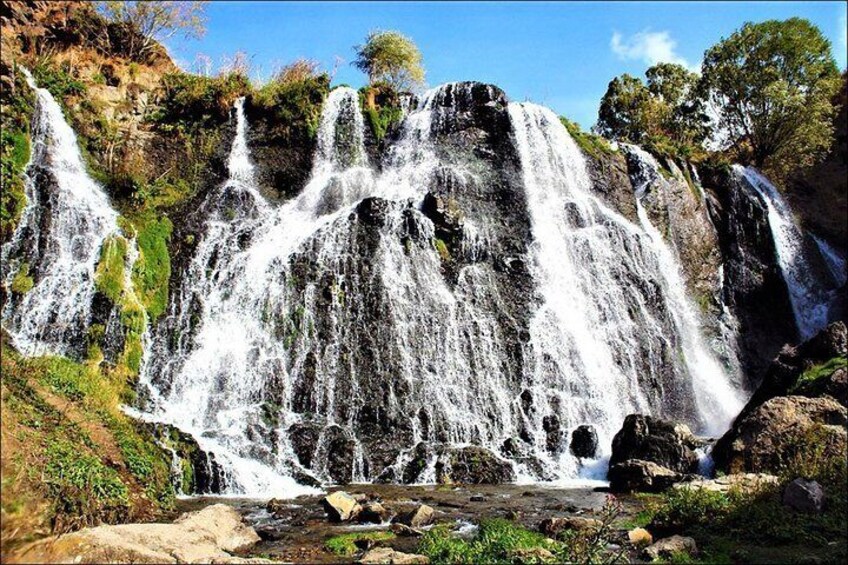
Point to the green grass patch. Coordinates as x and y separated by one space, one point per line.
442 250
496 541
109 276
17 108
593 145
58 80
345 544
152 270
22 283
813 374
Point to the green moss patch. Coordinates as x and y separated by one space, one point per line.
345 544
594 146
809 377
152 270
22 283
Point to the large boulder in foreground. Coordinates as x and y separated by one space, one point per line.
667 444
207 536
340 506
781 429
635 475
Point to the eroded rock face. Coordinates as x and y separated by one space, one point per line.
473 465
770 436
584 441
209 535
646 438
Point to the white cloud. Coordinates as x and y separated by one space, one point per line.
651 47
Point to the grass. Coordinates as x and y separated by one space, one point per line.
442 250
152 270
496 541
345 544
593 145
822 371
17 109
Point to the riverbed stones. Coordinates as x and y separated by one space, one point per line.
804 496
742 482
206 536
404 531
373 513
584 442
340 506
389 556
640 537
666 444
417 517
669 547
635 475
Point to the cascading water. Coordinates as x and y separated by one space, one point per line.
810 294
291 317
57 242
614 308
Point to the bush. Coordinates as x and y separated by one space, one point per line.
193 102
58 80
381 105
294 106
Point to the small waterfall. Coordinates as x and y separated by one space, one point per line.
810 295
614 309
66 219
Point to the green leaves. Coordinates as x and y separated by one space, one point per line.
390 57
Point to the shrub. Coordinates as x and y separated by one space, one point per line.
293 105
58 80
193 102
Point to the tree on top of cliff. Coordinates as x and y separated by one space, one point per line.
773 84
156 20
392 58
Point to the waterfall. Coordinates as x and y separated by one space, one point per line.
57 242
810 295
614 306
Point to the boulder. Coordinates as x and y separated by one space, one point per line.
743 482
387 555
373 513
340 506
531 555
640 537
646 438
772 434
553 527
206 536
404 531
673 546
804 496
473 465
641 476
417 517
584 442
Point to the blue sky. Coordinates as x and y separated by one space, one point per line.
561 55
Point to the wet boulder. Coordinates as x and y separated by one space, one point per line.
340 506
584 442
671 547
635 475
417 517
373 513
667 444
473 465
554 437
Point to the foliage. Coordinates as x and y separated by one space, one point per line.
500 541
192 102
381 106
293 100
154 20
345 544
392 58
300 70
17 108
817 372
23 282
152 269
592 145
58 80
773 84
109 276
442 250
666 114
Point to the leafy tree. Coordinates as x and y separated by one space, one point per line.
392 58
773 84
155 20
666 110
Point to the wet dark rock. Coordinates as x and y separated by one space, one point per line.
269 532
402 530
635 475
340 450
554 436
473 465
373 211
646 438
412 471
584 441
206 476
304 439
